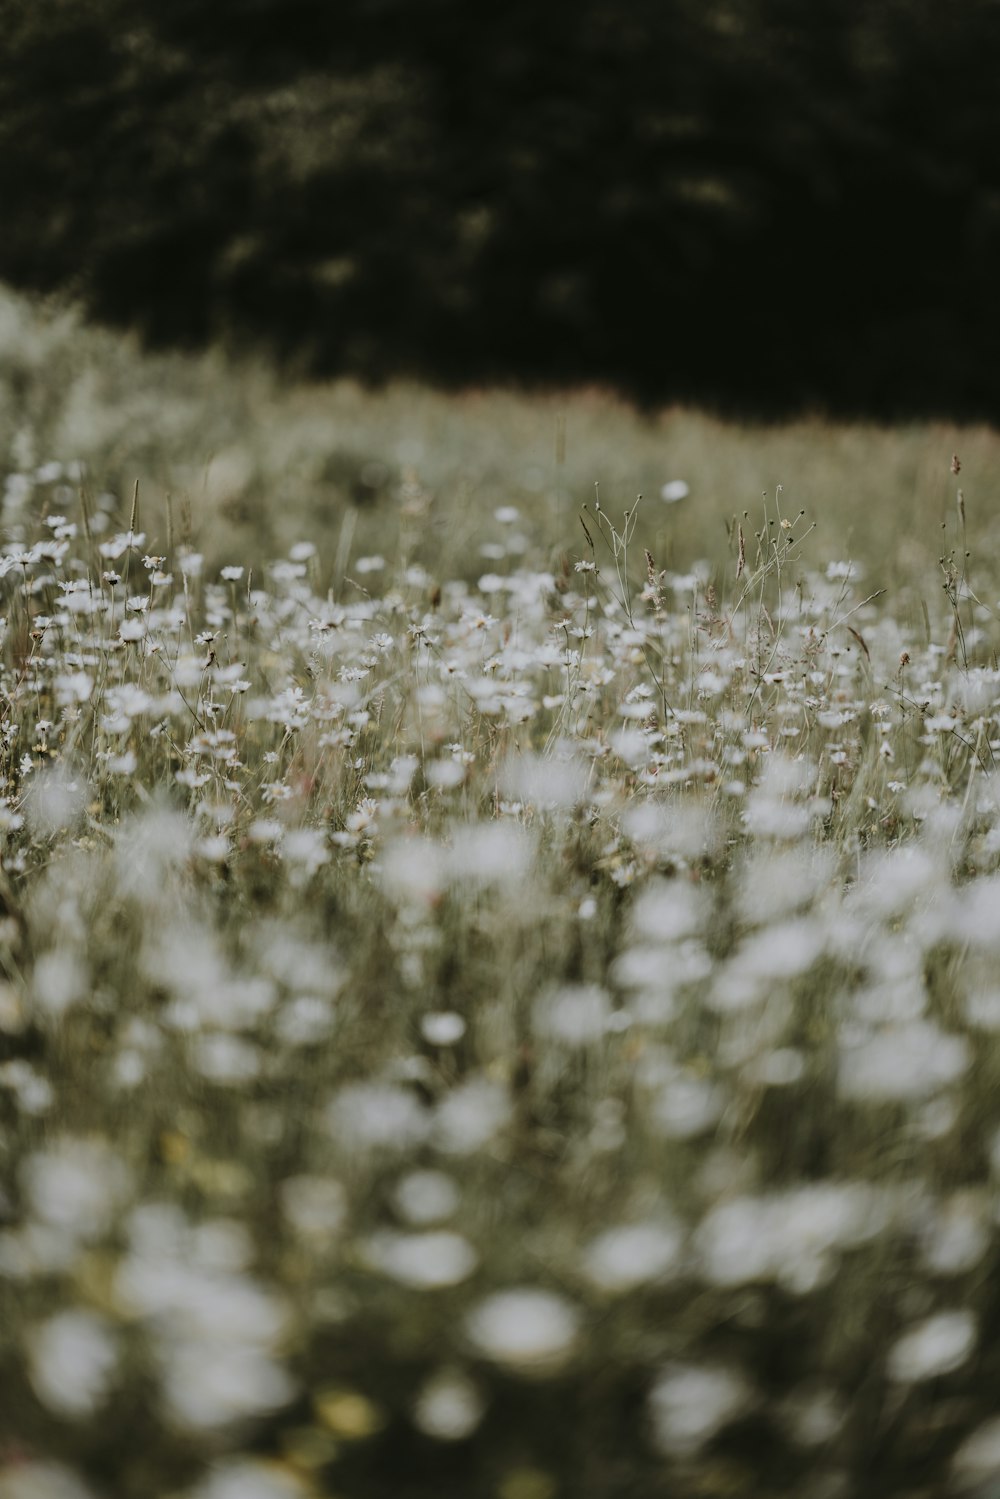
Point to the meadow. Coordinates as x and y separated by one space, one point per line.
500 977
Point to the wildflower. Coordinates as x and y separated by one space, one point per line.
575 1016
470 1116
426 1261
908 1061
526 1329
935 1347
622 1258
448 1407
674 490
425 1197
124 541
72 1360
376 1116
689 1403
443 1028
314 1206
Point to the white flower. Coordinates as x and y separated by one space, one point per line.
936 1346
76 1185
577 1015
690 1403
470 1116
72 1359
377 1116
424 1261
449 1407
674 490
621 1258
315 1206
426 1197
978 1458
125 541
442 1028
902 1063
243 1478
527 1329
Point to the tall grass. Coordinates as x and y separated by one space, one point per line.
514 1024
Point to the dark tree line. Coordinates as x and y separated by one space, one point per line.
758 203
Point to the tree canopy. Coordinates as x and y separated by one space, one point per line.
741 201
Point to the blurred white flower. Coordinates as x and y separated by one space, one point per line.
489 853
685 1107
689 1403
674 490
413 870
977 1460
305 1020
527 1329
377 1116
442 1027
207 1384
786 1236
60 980
315 1206
577 1015
426 1197
903 1063
470 1115
216 1333
782 950
622 1258
54 801
76 1186
812 1416
936 1346
955 1234
243 1478
34 1093
306 848
72 1358
448 1407
225 1059
424 1261
548 782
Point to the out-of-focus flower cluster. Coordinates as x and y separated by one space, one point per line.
430 1015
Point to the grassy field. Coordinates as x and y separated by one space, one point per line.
492 1004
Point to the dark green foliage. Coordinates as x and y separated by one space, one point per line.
752 203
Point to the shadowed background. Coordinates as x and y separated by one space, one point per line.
751 205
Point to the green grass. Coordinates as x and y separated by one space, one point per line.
518 1024
260 463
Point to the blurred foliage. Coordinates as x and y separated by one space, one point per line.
743 202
